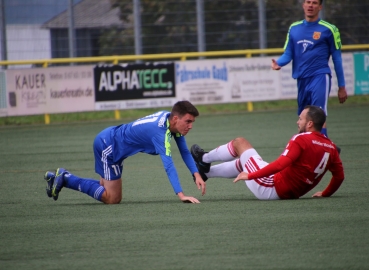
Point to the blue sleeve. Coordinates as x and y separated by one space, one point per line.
337 61
162 146
171 173
286 57
186 155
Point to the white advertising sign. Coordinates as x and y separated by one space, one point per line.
202 82
348 70
135 104
72 88
227 80
252 79
50 90
288 85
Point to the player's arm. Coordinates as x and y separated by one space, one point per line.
276 166
337 61
286 57
283 60
162 146
185 154
174 179
335 48
289 155
338 67
338 176
333 186
190 163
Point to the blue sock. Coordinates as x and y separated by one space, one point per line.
325 132
90 187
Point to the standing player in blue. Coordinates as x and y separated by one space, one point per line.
152 135
309 45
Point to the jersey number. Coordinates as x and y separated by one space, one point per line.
147 119
321 167
116 169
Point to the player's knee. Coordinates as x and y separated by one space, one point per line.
113 191
115 200
111 199
240 144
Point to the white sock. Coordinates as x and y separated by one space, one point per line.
224 152
228 169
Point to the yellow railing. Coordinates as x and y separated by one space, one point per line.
115 59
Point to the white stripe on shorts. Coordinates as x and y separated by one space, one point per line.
104 159
263 188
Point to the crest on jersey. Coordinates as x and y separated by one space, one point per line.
316 35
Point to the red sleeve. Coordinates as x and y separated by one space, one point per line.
272 168
289 155
334 184
337 178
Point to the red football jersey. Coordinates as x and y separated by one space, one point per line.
302 165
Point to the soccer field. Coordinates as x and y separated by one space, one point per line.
152 229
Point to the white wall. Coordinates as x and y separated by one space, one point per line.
27 41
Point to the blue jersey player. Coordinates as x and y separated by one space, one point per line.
309 44
152 135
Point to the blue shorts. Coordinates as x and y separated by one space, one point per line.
313 91
103 151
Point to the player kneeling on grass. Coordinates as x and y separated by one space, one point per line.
301 166
152 135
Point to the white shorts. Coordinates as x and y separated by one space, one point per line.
263 188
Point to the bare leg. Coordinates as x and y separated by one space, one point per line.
113 191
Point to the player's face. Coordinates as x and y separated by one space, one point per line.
184 124
311 9
302 122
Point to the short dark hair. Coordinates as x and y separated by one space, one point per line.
320 2
183 107
317 115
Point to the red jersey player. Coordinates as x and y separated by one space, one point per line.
301 166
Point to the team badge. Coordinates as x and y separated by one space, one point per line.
316 35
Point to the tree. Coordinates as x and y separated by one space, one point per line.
351 18
170 25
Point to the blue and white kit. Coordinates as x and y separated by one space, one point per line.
310 45
150 135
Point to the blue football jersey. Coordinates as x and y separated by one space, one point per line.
151 135
310 44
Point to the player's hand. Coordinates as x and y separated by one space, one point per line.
241 176
275 66
200 183
318 194
342 94
187 199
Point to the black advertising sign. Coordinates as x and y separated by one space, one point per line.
134 81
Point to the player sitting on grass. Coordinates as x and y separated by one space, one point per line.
152 135
301 166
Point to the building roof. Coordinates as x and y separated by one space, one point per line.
88 14
26 12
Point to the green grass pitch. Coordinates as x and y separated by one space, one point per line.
152 229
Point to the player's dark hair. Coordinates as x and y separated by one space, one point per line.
183 107
317 115
320 1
